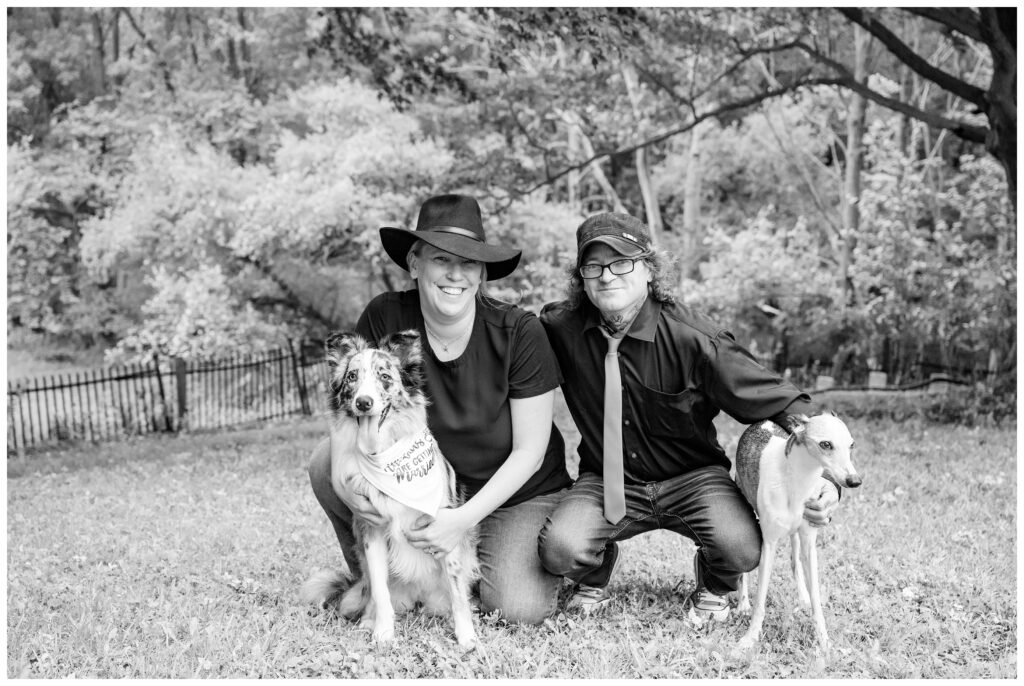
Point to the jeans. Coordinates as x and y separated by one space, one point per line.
704 505
513 581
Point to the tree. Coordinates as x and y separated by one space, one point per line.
187 213
993 29
216 176
749 56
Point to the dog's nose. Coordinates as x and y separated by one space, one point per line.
364 403
853 481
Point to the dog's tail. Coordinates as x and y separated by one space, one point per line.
329 588
325 587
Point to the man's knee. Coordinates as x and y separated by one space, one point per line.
562 551
740 553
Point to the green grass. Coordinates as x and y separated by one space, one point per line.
181 557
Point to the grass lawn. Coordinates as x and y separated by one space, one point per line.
181 557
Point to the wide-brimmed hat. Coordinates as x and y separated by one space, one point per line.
624 233
451 223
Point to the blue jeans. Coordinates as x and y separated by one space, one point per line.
704 505
513 581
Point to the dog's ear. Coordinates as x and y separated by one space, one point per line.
341 345
406 346
398 343
797 431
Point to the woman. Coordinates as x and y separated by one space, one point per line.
491 378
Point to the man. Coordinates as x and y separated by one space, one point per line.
645 376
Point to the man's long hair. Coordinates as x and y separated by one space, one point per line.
663 282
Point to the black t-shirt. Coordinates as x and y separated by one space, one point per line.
507 356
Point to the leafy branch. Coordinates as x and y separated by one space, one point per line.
905 54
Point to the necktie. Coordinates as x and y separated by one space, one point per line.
614 492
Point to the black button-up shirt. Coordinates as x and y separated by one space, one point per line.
679 369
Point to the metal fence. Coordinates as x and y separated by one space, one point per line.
167 395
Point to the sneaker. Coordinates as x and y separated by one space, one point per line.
590 599
702 604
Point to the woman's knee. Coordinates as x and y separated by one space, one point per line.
520 608
320 465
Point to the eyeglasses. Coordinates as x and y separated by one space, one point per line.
618 267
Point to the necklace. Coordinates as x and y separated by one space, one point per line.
449 342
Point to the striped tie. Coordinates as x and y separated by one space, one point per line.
614 493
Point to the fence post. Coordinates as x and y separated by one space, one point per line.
17 437
280 379
300 384
163 397
180 380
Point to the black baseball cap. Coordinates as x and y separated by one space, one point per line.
624 233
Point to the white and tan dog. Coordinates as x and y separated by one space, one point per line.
382 449
778 474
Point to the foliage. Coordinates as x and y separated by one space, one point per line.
781 152
932 267
545 232
194 315
225 141
967 406
936 266
46 193
155 567
767 264
186 213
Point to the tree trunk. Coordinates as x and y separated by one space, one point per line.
912 26
854 163
101 57
246 58
649 195
232 59
191 38
572 180
572 119
643 176
115 35
999 25
692 230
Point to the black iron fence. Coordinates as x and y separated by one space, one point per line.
167 395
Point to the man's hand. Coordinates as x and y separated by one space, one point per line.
818 510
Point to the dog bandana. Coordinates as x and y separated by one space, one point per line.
410 471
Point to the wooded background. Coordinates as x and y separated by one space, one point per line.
838 184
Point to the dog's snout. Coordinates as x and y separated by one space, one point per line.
853 480
364 403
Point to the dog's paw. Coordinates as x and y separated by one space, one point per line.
743 606
384 635
744 645
695 618
742 651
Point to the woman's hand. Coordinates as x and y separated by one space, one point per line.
440 535
818 510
